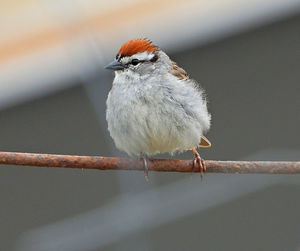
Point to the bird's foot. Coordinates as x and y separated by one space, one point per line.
144 158
198 161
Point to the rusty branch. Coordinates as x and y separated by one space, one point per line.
166 165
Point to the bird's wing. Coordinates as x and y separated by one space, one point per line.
182 75
204 142
179 72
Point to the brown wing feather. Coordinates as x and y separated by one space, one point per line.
179 72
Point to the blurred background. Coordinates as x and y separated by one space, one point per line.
53 88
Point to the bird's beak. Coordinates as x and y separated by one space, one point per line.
115 65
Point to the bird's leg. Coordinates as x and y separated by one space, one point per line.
144 158
198 161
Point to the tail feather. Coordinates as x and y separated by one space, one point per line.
204 142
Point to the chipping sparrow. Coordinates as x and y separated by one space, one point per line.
153 106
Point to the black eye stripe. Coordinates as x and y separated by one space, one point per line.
135 61
154 59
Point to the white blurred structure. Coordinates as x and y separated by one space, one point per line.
45 45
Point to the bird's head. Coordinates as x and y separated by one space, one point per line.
138 56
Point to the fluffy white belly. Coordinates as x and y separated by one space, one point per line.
155 123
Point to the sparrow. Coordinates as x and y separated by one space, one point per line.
153 106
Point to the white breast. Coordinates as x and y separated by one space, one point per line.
155 116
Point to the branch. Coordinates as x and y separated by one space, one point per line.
166 165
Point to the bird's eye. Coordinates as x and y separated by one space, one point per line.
135 61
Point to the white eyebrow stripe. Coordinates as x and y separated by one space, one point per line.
142 56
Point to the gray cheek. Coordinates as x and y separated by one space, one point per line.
145 69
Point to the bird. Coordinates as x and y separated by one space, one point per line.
154 106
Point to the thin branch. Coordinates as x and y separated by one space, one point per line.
167 165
